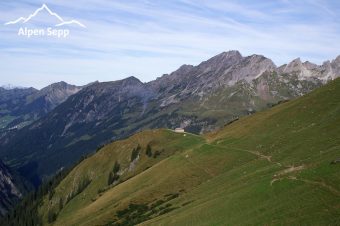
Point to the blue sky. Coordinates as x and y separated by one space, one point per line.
146 39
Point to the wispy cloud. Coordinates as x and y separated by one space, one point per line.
148 38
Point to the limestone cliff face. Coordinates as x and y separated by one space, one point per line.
329 70
200 98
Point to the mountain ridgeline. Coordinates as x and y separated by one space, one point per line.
198 98
22 106
279 166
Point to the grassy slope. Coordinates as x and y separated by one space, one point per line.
97 168
269 168
304 133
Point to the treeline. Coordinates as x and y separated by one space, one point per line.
150 153
53 212
26 212
86 181
114 174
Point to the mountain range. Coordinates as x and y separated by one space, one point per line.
76 121
279 166
21 106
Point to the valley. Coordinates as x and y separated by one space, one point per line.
274 166
198 98
174 113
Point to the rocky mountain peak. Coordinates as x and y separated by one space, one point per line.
296 62
337 60
266 62
53 95
222 60
129 85
231 54
183 69
249 68
335 65
132 80
228 84
310 66
58 86
294 66
325 72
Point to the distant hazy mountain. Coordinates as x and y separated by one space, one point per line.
10 86
197 98
21 106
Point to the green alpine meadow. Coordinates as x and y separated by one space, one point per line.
276 167
170 113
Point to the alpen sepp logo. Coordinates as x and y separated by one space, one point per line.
54 30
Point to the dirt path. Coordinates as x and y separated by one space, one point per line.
318 183
289 169
187 157
257 153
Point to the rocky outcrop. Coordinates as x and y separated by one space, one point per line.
9 193
329 70
200 98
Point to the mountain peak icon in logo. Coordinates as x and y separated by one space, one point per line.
45 7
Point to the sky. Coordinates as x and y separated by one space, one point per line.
149 38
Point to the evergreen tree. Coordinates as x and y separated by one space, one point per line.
148 151
116 167
134 154
156 154
52 216
61 204
26 212
110 180
114 176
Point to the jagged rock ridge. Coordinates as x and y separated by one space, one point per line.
199 98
